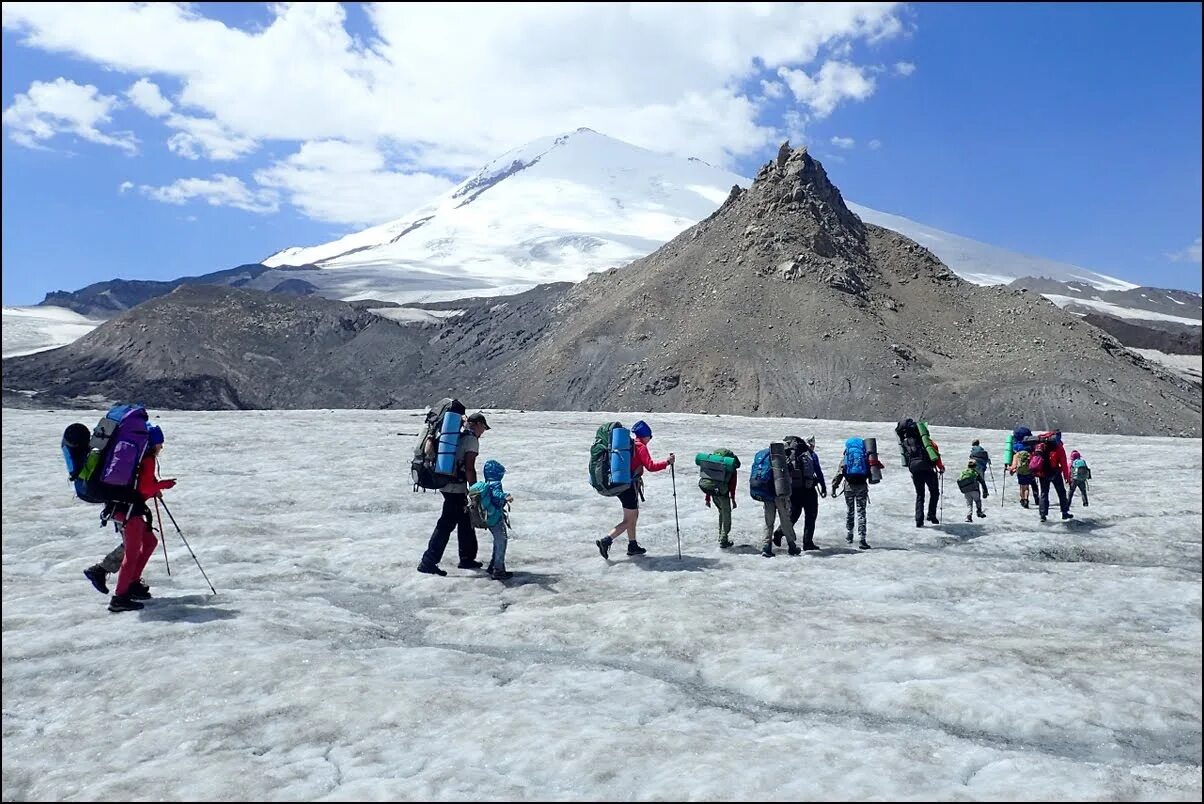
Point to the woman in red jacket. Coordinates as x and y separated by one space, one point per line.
136 533
640 460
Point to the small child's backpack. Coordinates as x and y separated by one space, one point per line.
1022 463
968 480
760 480
476 506
1081 470
856 461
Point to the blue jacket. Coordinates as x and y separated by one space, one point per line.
819 472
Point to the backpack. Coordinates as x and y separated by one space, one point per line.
476 506
714 476
760 480
800 464
856 461
600 455
426 452
1038 464
1022 463
968 480
109 469
911 443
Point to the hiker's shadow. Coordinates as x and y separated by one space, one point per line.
744 550
186 609
1081 525
544 581
686 563
828 552
957 533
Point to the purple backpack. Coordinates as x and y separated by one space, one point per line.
116 448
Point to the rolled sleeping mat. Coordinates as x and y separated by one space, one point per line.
781 475
620 456
715 467
933 455
871 453
449 442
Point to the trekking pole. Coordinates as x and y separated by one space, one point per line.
162 537
676 523
186 544
1004 496
942 496
991 469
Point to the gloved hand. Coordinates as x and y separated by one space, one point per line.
823 490
672 458
734 503
708 502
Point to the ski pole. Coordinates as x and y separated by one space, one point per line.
676 523
162 537
942 496
186 544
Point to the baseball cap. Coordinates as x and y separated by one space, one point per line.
478 418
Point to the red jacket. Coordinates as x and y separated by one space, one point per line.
148 485
641 460
1057 460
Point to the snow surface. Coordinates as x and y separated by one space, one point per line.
36 329
1190 366
1119 311
997 660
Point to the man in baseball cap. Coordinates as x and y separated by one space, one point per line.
478 418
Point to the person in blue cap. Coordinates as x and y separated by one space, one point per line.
630 499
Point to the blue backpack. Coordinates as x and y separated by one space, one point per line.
856 462
760 481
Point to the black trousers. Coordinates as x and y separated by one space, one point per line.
454 517
921 480
982 483
804 501
1059 486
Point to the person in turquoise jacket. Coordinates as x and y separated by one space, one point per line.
494 500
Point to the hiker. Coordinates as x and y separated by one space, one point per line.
968 482
137 535
855 471
641 460
769 483
923 459
1081 473
718 482
455 514
493 501
1049 464
1025 479
981 461
806 487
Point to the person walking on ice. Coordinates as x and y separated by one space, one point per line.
855 472
968 483
1080 474
641 461
981 461
493 499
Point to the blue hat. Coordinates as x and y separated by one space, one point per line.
155 433
641 429
494 470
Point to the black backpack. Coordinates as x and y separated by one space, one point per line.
422 465
800 464
915 456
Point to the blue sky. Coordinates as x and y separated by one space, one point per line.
156 143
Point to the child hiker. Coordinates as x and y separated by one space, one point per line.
723 492
1080 474
494 501
967 481
134 522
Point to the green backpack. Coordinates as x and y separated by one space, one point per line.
599 463
714 471
1022 467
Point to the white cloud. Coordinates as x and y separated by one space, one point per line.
219 191
874 144
836 81
201 136
341 182
145 94
773 89
1189 254
61 106
904 68
125 185
843 142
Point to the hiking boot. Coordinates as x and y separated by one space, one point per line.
1067 515
604 546
1042 519
1024 503
777 538
767 551
96 574
634 549
849 538
863 545
809 545
500 575
435 570
794 550
123 603
470 564
139 591
919 524
1084 503
725 543
982 514
969 518
933 520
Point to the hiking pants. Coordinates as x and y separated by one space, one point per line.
778 509
498 562
1060 487
855 497
1078 485
926 478
112 562
454 517
139 545
724 504
805 501
982 483
973 501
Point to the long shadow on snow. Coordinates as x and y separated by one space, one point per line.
186 609
686 563
543 581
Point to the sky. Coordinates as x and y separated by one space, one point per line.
154 141
997 660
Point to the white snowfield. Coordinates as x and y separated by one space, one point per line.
1119 311
1189 366
36 329
1003 659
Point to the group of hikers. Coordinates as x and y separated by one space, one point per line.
115 464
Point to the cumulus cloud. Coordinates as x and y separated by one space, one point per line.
843 142
125 185
219 191
1189 254
145 94
833 83
61 106
904 68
